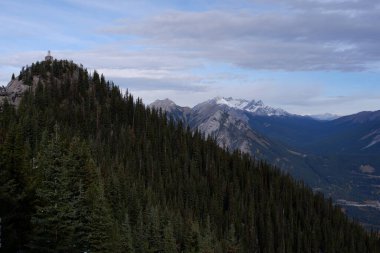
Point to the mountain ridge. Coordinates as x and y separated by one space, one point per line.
108 174
305 147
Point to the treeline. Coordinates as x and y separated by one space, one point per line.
87 169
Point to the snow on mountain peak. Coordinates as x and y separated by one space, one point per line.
253 106
231 102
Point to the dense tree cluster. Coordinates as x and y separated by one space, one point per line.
87 169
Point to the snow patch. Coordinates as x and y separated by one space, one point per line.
254 107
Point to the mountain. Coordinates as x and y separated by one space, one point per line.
177 113
87 169
329 155
254 107
367 129
227 121
361 118
341 149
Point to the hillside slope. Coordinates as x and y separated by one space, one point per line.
84 168
328 155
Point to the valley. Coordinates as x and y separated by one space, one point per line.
338 157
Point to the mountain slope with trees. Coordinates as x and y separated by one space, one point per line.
85 168
338 157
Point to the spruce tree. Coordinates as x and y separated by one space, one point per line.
100 221
232 243
52 221
12 189
169 241
207 243
126 236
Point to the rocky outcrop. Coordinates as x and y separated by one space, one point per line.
13 91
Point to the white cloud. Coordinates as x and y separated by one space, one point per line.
278 41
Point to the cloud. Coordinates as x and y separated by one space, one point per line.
167 84
296 39
343 105
325 5
273 92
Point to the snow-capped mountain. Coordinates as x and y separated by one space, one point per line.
337 156
228 121
228 124
253 106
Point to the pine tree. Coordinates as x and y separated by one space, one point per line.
12 189
140 235
126 236
192 237
169 242
232 241
207 243
81 174
53 228
153 225
100 221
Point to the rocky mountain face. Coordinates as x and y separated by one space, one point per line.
228 126
13 91
332 156
176 112
227 120
16 87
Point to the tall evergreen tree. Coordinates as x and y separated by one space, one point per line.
126 236
100 221
169 241
53 228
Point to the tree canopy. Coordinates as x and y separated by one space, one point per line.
86 168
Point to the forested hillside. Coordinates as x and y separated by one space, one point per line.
85 168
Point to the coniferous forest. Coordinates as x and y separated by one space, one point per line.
85 168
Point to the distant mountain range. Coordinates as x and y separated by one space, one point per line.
338 156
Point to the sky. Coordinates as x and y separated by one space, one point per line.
305 56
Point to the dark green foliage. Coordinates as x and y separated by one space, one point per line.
100 222
126 236
14 183
85 168
168 241
53 227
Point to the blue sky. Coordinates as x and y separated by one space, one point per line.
305 56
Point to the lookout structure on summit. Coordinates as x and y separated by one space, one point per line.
48 57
